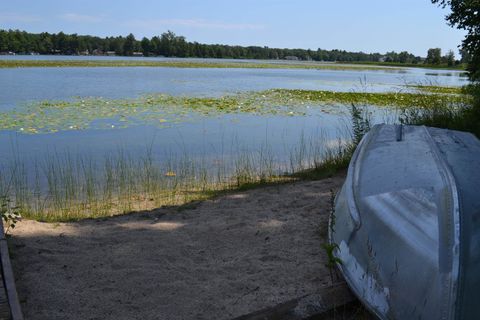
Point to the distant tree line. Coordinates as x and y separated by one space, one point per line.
434 56
171 45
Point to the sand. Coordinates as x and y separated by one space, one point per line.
219 259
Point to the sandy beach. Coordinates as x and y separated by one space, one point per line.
218 259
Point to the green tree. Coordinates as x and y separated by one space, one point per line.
129 45
403 57
167 41
146 46
3 41
118 45
449 58
465 14
434 56
60 42
155 45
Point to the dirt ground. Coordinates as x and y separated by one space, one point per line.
219 259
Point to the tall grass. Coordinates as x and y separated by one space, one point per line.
325 161
64 186
463 117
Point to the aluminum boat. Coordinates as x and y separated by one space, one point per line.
406 223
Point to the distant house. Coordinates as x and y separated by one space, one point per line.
137 54
291 58
97 52
84 53
382 59
110 53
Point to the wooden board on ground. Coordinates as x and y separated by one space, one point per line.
4 308
9 304
311 305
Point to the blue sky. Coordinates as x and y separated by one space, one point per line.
368 25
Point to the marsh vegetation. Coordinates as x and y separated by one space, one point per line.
66 186
164 110
92 142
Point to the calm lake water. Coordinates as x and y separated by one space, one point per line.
205 137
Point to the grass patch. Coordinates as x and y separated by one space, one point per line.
387 99
438 89
335 161
464 117
414 65
185 64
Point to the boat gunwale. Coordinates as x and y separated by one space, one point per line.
455 212
353 212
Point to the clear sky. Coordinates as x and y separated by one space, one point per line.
352 25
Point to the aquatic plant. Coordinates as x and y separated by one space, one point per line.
437 89
163 110
361 120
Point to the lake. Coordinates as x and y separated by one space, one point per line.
206 137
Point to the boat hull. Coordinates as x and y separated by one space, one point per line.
397 224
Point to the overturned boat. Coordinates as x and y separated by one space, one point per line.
406 223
